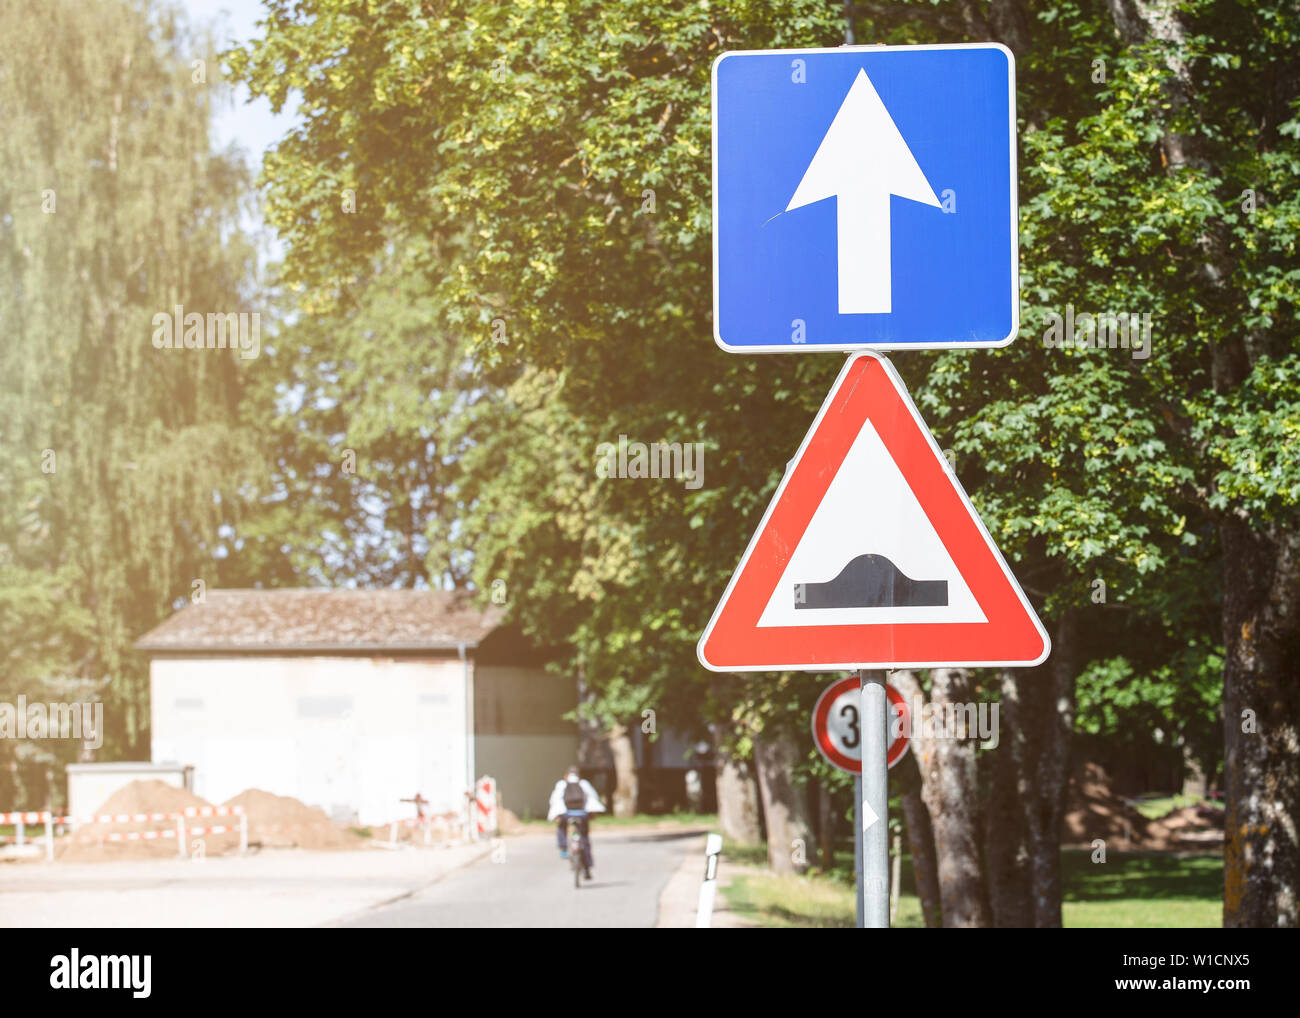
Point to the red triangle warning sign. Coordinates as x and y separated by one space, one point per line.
870 554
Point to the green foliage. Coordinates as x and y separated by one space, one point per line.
1166 702
550 123
364 414
523 141
121 462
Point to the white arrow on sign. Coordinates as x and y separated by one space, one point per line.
862 161
869 816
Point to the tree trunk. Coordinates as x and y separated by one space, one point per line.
785 807
593 744
1039 710
920 842
825 828
1195 783
950 792
1006 840
625 776
738 809
906 776
1261 603
1261 727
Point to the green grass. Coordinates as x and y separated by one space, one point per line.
787 901
1154 809
823 898
745 855
1129 890
1141 890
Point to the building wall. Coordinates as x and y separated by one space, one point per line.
92 785
520 736
353 735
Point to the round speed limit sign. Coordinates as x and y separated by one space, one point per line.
837 725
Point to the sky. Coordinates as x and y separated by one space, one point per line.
250 125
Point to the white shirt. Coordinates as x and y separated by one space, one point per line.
557 807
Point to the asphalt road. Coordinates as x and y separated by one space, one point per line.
524 883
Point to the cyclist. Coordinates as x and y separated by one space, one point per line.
574 799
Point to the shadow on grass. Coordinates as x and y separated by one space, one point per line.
1131 889
1140 875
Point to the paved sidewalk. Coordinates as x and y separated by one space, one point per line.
679 902
270 888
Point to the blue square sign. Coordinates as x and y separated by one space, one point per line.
864 198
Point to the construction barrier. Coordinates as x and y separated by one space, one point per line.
20 822
485 798
23 818
144 818
447 824
180 832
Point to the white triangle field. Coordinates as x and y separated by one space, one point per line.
869 509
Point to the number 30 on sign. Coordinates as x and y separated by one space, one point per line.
837 725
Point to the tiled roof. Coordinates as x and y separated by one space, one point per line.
315 621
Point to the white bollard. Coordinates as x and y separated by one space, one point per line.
709 889
180 836
21 831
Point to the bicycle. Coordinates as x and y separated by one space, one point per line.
577 853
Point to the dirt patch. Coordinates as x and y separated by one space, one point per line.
274 821
281 821
1093 811
434 830
509 823
1191 826
150 797
151 839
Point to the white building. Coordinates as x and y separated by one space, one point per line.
353 700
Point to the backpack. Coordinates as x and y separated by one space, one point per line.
574 796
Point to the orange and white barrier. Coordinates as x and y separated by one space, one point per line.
23 818
446 824
20 822
485 801
145 818
194 832
212 811
180 832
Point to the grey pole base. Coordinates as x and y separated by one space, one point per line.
873 803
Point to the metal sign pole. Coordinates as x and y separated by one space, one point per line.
857 843
873 813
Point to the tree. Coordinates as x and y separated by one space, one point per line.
365 411
121 462
1173 198
530 152
567 153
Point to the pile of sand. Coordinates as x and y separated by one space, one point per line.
1094 811
1191 827
274 821
150 797
280 821
91 842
